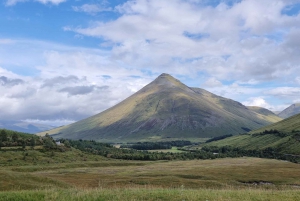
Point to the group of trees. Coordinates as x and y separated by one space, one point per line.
10 139
108 150
20 140
272 132
218 138
157 145
204 153
269 152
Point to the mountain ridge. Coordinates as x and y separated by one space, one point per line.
290 111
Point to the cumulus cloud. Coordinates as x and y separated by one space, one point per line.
242 41
257 101
71 84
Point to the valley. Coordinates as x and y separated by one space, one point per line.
167 142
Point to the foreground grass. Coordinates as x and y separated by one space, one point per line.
195 174
221 179
150 194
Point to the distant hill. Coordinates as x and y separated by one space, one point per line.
290 111
167 109
283 135
269 115
25 127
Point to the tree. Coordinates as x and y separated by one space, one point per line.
23 144
3 136
48 143
14 137
67 143
32 143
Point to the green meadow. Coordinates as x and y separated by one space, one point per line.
107 179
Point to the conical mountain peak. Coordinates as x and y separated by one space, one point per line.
165 109
166 78
166 81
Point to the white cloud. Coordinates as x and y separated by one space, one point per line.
212 82
261 102
71 83
243 41
285 92
56 2
257 101
56 122
14 2
91 8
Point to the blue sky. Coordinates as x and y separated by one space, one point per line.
64 60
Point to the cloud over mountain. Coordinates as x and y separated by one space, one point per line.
240 49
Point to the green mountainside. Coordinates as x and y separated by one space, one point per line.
290 111
287 125
166 109
284 136
267 114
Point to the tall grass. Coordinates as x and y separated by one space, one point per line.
150 194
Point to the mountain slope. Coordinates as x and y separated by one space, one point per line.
166 108
290 111
287 125
286 140
267 114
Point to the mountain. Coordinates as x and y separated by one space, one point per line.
25 127
290 111
283 135
267 114
166 109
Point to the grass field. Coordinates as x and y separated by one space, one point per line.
220 179
153 194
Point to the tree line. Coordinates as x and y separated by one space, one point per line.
157 145
207 152
9 138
